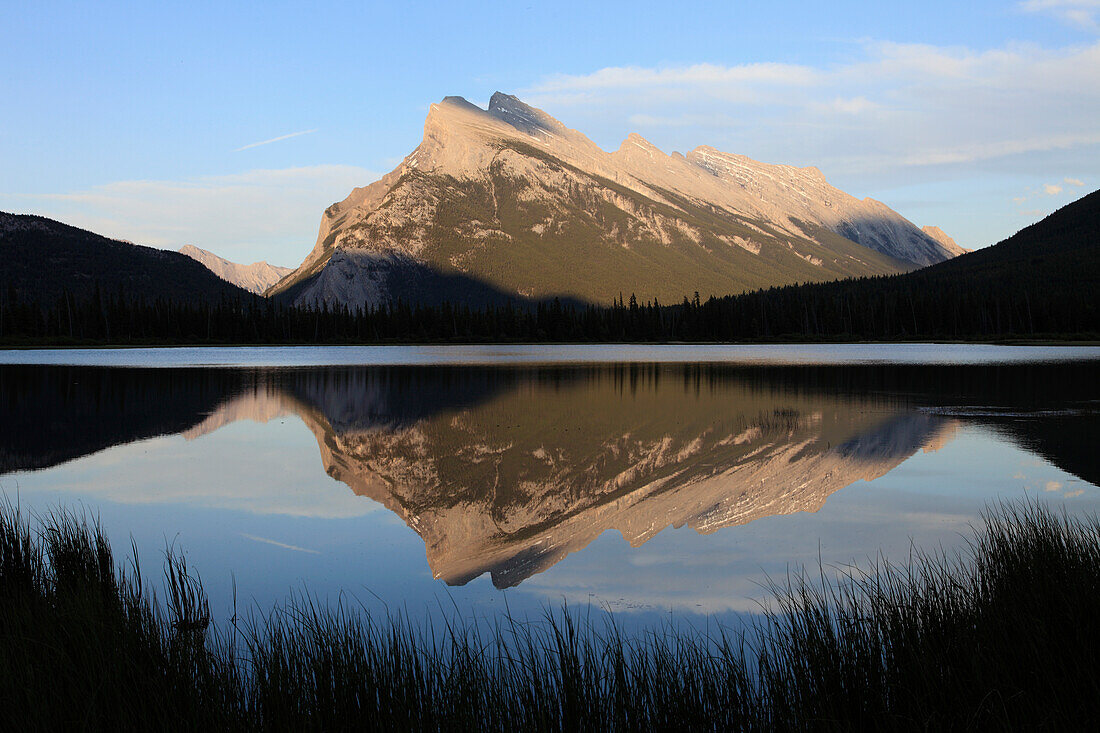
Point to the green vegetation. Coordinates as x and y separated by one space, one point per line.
1002 636
559 231
889 309
593 239
1038 285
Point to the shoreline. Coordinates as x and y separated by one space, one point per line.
774 342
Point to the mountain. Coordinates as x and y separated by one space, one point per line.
1063 248
255 278
44 260
508 202
948 243
1041 281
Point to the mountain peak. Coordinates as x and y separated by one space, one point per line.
948 243
510 109
461 102
255 278
505 201
501 102
636 140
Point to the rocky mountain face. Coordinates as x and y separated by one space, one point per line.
535 470
508 202
948 243
256 278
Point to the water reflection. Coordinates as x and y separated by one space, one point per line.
508 470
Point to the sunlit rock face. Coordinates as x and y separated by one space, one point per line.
509 202
507 475
948 243
255 278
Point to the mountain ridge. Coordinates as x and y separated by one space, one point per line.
255 278
511 197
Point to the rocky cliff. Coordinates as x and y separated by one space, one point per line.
508 202
255 278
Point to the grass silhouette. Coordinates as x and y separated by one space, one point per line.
1004 633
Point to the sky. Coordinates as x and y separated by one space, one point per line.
231 126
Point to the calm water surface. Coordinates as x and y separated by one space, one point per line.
647 480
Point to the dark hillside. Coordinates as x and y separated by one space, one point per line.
43 260
1041 281
1062 248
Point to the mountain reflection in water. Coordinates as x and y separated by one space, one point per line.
507 470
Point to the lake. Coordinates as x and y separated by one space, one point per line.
654 481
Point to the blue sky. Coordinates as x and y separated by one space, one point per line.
141 120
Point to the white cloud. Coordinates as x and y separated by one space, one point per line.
631 77
1081 13
1046 190
697 121
1073 181
998 149
259 214
274 140
854 106
895 105
846 106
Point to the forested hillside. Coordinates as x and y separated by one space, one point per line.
43 261
1040 283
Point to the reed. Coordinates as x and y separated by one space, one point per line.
1004 633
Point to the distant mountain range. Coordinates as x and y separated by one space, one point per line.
255 278
507 205
1039 283
43 260
507 202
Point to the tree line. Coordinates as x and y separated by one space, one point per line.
880 308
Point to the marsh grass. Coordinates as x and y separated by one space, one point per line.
1004 634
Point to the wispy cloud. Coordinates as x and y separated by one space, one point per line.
1081 13
628 77
847 105
1044 191
894 105
275 140
263 214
